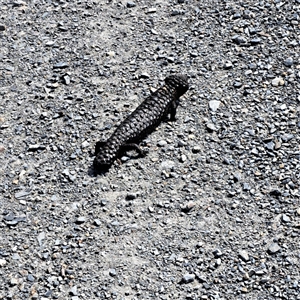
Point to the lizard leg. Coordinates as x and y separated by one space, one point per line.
133 146
173 108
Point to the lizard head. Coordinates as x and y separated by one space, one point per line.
179 82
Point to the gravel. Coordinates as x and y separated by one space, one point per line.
211 212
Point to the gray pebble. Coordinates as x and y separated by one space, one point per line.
211 127
113 272
188 278
277 81
244 255
214 105
274 248
288 62
80 220
30 278
285 218
61 65
217 253
73 291
162 143
130 4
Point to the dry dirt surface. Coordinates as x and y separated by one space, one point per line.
213 210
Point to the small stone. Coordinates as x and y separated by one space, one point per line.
162 143
30 278
285 218
277 145
61 65
188 207
298 211
255 41
97 222
145 75
151 209
214 105
274 248
237 84
211 127
2 262
151 10
182 158
80 220
130 4
243 254
67 79
41 238
196 149
111 53
217 253
264 280
131 196
2 28
277 81
228 65
270 146
85 144
244 289
246 186
113 272
73 291
188 278
22 194
34 147
287 137
239 40
14 281
288 62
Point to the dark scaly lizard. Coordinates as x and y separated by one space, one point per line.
143 120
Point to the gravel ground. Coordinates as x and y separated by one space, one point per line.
212 212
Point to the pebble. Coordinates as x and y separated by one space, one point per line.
274 248
211 127
285 218
85 144
244 255
277 81
188 278
162 143
41 236
73 291
196 149
13 281
214 105
239 40
113 272
2 262
130 4
30 278
80 220
217 253
288 62
61 65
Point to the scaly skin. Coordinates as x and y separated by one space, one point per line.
143 120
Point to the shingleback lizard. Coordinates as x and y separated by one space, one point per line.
143 120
